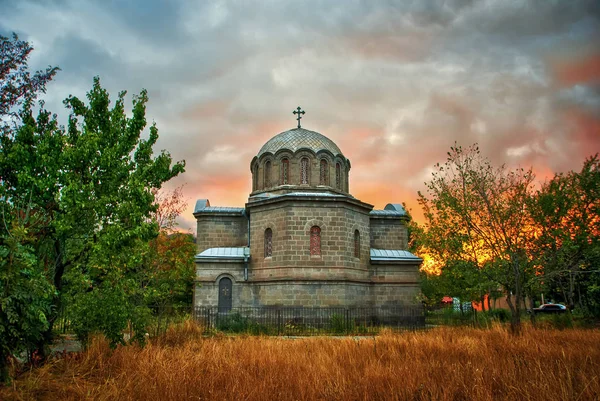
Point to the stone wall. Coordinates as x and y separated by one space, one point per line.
291 222
388 233
216 230
308 293
294 178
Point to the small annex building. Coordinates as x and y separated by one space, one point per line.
302 239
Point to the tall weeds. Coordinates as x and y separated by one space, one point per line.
442 364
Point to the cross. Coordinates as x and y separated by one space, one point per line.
299 111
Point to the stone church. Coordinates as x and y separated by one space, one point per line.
302 239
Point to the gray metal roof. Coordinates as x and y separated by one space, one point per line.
203 205
223 209
386 213
225 253
391 209
394 254
299 138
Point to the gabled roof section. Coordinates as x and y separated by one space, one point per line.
392 255
203 207
240 253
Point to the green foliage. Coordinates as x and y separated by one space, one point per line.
90 188
236 323
448 317
25 297
169 270
107 310
501 315
567 245
17 84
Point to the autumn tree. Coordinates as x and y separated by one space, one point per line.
168 268
565 212
477 213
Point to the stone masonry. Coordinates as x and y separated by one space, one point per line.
361 258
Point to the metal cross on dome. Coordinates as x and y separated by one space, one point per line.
299 111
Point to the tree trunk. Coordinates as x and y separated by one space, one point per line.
515 314
532 315
4 377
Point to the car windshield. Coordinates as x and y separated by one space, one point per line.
553 306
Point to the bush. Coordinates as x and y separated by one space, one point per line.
236 323
501 315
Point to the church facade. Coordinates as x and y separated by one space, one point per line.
302 239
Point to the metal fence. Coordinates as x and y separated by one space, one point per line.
290 321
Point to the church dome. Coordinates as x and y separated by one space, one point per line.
299 138
299 160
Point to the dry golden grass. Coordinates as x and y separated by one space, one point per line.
441 364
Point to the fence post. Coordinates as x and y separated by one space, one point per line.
347 319
278 322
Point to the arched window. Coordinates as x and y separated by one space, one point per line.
255 178
304 171
285 171
356 244
225 295
268 174
324 173
268 243
338 176
315 241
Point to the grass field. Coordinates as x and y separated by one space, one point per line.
440 364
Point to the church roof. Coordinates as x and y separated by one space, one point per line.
394 255
391 210
299 138
240 253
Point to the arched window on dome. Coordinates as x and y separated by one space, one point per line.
255 178
268 243
285 172
338 176
324 173
268 174
356 244
304 171
315 241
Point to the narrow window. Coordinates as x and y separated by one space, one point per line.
356 244
324 175
338 176
268 243
315 241
304 171
255 178
285 171
268 174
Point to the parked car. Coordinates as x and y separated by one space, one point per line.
550 308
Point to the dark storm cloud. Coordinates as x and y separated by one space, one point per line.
394 83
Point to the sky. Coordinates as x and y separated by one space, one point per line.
393 83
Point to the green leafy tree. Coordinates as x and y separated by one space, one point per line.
25 295
17 84
92 185
477 214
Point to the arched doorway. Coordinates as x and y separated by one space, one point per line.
225 297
